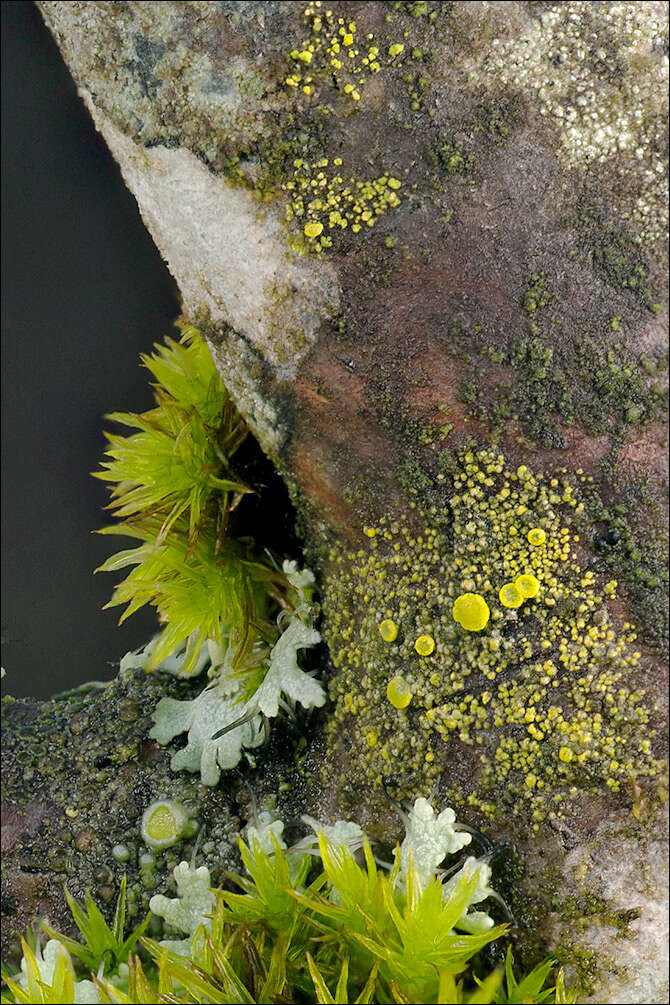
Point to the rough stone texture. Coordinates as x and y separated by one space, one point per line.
515 296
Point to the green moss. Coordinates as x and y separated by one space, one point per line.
544 698
565 374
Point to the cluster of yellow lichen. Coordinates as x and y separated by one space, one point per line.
542 689
325 202
334 50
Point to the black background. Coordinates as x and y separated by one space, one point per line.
84 292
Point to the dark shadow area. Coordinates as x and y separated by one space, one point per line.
84 292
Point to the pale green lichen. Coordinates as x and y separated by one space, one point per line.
227 717
213 709
191 908
429 839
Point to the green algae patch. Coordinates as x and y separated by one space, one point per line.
546 695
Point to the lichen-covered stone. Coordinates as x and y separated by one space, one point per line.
510 299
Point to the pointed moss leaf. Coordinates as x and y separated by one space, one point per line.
174 664
52 967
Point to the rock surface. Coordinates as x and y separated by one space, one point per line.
432 273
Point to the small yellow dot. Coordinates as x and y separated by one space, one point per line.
528 585
536 536
313 229
471 612
510 595
369 531
396 49
388 630
398 692
565 754
424 645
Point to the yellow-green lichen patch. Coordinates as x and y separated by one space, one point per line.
326 202
528 585
333 51
510 595
424 645
545 693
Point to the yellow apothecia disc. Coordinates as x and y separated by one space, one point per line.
388 630
424 645
398 692
536 536
510 595
313 229
161 824
528 585
471 612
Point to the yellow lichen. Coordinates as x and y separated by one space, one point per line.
471 612
425 645
399 692
313 229
556 676
330 55
328 202
528 585
388 630
510 595
536 536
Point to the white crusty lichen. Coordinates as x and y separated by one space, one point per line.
473 921
52 959
213 709
600 72
190 909
341 834
224 720
428 840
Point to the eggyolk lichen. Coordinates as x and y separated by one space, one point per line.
398 692
424 645
313 229
471 612
536 536
510 595
388 630
528 585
